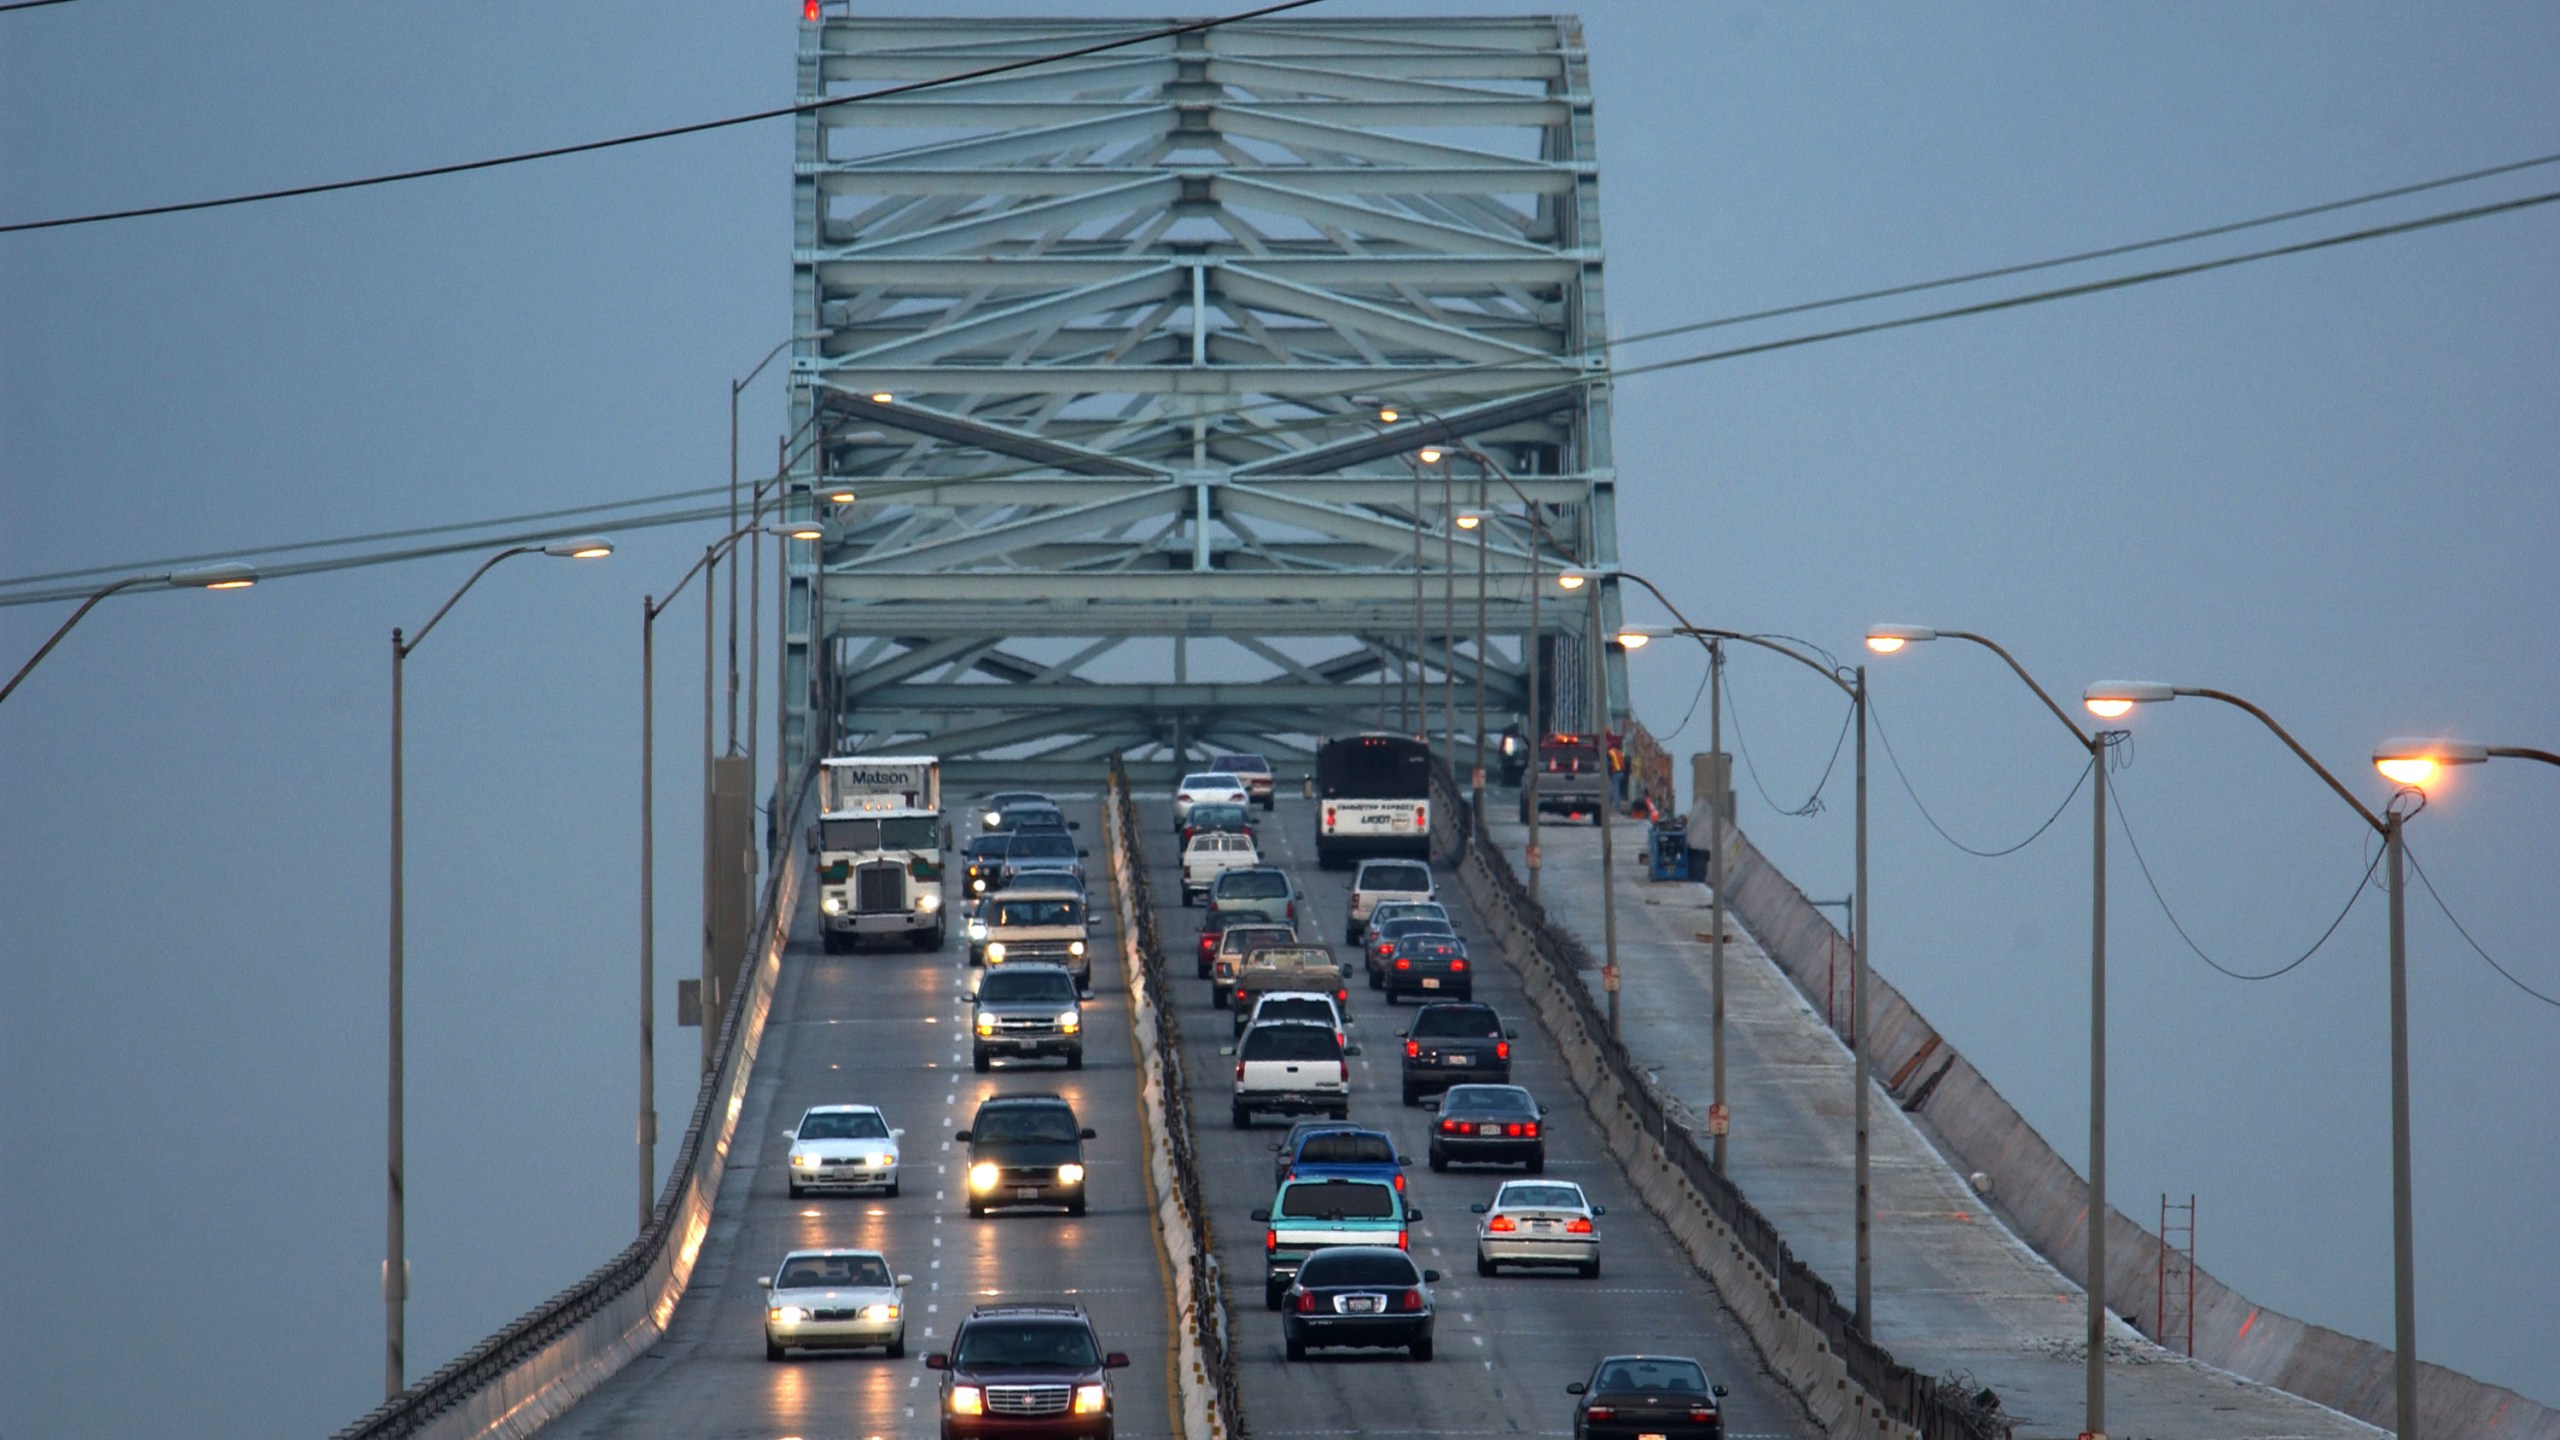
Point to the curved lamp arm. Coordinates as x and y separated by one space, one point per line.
212 577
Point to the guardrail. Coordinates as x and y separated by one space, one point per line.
528 1373
1200 1282
1933 1410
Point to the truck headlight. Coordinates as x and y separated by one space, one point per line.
929 901
977 929
994 819
1089 1399
1071 1021
995 951
979 885
1071 1173
1075 947
832 904
983 1176
986 1024
968 1400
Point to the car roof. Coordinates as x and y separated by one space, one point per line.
1029 967
1026 1097
1030 1310
842 1110
1270 995
1508 1185
1382 861
1245 755
1042 884
1203 779
1468 1093
833 1252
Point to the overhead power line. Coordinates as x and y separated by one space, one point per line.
643 137
1876 714
30 4
2124 822
2460 929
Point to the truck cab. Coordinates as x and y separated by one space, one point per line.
879 843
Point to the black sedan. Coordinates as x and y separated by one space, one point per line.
1430 967
1369 1296
1629 1396
1489 1125
1381 949
1453 1044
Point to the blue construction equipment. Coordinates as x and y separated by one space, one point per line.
1668 854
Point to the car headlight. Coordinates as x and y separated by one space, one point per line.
882 1160
979 885
929 901
879 1312
832 904
801 1160
1075 947
968 1400
986 1024
994 819
995 950
1071 1021
787 1314
1089 1399
983 1176
1071 1173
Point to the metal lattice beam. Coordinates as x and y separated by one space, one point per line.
1104 359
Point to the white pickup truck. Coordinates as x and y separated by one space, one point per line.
1210 854
1291 1067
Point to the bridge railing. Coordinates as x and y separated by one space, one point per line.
1204 1296
1936 1410
526 1374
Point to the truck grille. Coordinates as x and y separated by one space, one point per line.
1052 951
1028 1399
1027 1024
879 886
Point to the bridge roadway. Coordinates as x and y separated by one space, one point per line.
887 1027
1507 1345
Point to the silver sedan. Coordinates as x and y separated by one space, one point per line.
1538 1222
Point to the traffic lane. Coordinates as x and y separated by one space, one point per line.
1507 1344
889 1027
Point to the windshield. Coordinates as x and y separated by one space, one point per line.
1488 1100
1243 939
1008 986
1252 885
1414 925
1213 817
1038 912
1337 1200
906 832
808 1272
843 1125
1243 765
1374 767
1411 878
1408 910
1334 1267
1002 1345
1473 1022
1340 1147
1291 1042
1559 1197
1624 1375
1033 817
988 846
1211 782
1025 1124
1042 845
1295 1009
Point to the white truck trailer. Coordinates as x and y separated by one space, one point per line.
879 843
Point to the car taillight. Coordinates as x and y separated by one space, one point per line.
1399 1180
1409 1300
1239 1072
1457 965
1383 948
1346 1070
1601 1412
1342 996
1577 1227
1514 1129
1270 1241
1453 1127
1413 1049
1306 1303
1701 1415
1400 1241
1502 1224
1501 1049
1404 964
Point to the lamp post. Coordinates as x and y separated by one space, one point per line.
2111 698
395 1265
650 609
211 577
736 387
1479 521
2415 763
1890 639
1852 682
1577 579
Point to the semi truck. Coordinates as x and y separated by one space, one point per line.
880 842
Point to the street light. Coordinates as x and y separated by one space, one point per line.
2415 762
2115 697
210 577
1852 681
395 1265
735 388
1574 579
650 609
1479 522
1891 639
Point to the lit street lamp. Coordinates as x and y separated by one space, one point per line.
395 1265
2110 698
1579 579
211 577
2416 762
1889 639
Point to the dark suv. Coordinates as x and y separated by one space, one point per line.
1450 1044
1036 1372
1025 1150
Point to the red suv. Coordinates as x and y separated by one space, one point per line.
1036 1372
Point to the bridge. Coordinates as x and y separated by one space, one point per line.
1230 388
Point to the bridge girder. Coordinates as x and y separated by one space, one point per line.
1104 358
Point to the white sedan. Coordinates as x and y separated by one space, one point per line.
1210 787
835 1300
843 1147
1538 1222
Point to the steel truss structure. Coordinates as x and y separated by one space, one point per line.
1103 347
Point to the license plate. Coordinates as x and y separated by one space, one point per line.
1026 1192
1430 984
1457 1059
1360 1304
1652 1435
1488 1129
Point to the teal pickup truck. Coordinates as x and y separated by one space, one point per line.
1308 1215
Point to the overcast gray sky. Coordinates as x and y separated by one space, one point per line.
2325 483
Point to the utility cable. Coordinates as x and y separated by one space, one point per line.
30 4
1877 715
2124 822
2509 975
1691 713
1813 803
667 132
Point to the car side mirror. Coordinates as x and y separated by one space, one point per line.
1717 1391
1087 1134
1262 1215
1599 1209
1577 1388
1230 1050
812 839
1275 1147
906 1279
960 1135
937 1361
1116 1360
1404 1159
1350 1049
1076 825
765 1280
1083 854
1346 972
1510 1032
1401 1034
1476 1209
897 1132
1432 1104
1412 1217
